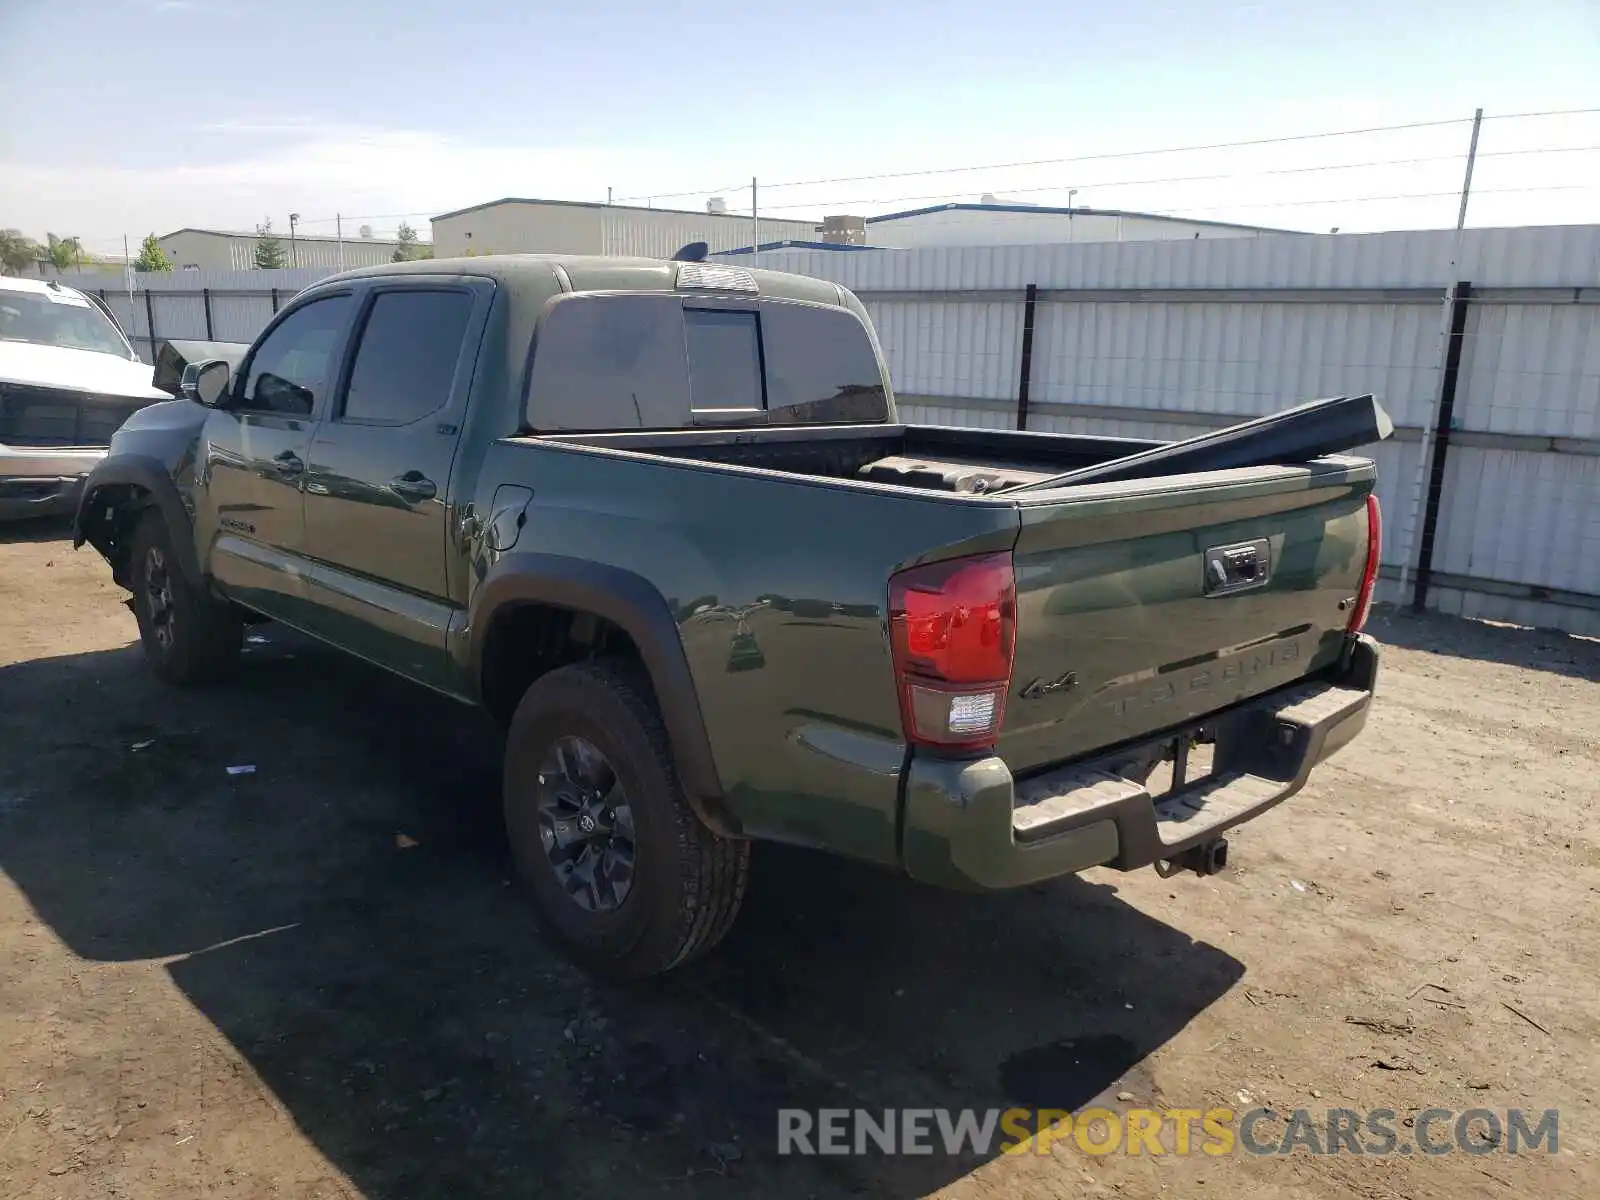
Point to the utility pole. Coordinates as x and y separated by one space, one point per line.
1425 457
294 248
338 227
755 221
608 197
127 277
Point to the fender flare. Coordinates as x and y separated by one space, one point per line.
151 475
633 604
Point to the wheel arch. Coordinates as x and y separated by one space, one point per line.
631 604
114 497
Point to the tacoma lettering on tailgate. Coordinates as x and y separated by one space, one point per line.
1207 677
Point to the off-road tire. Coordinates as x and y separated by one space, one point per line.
687 881
188 636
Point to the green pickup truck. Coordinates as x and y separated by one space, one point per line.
661 519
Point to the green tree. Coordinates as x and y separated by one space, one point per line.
63 252
151 256
269 250
18 253
409 249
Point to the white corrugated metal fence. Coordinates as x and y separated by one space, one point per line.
1164 339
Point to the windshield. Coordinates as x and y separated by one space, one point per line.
62 319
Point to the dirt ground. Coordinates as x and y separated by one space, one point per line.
314 980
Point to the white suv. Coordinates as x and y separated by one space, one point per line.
68 379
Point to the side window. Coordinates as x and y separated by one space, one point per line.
407 358
820 365
294 366
724 359
610 362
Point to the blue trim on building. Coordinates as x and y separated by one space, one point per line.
765 246
1067 212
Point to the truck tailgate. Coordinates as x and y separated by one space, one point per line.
1146 604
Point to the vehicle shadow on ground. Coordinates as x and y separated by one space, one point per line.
1512 645
345 921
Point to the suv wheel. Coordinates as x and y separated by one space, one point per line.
188 636
620 868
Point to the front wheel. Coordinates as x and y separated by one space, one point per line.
621 870
188 636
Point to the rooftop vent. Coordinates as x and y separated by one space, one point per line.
843 231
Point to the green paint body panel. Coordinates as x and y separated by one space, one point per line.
778 590
771 585
1109 588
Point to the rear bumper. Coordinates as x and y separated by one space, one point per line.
44 480
968 824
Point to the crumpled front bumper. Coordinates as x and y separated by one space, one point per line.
969 824
41 481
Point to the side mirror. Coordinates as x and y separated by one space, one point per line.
206 383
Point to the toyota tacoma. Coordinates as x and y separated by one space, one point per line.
662 519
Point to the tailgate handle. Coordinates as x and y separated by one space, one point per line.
1237 568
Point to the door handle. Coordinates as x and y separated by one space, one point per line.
413 485
288 463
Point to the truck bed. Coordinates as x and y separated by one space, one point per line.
930 457
982 461
1118 623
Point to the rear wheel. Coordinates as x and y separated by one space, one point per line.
188 636
621 870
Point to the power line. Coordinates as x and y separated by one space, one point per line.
1126 183
1122 154
1119 154
1560 187
430 214
356 219
1553 112
1247 206
1106 157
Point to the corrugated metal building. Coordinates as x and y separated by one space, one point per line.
224 250
577 227
1000 224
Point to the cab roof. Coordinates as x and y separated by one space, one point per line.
604 273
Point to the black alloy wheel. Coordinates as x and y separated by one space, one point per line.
158 596
585 824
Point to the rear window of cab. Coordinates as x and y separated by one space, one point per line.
663 361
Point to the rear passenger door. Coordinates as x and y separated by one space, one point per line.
379 512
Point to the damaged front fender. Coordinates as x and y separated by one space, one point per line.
150 465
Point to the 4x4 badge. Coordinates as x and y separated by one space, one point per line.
1047 687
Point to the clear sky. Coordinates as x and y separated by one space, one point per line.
126 116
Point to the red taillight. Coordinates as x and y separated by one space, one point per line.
953 632
1369 575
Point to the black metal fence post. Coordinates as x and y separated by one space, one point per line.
1441 443
150 322
205 296
274 300
1030 300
